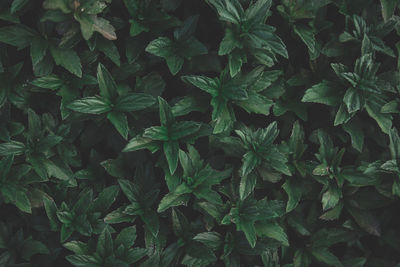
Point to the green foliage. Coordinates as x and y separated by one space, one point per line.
164 133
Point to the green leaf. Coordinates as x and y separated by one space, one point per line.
394 145
324 93
384 120
182 129
166 116
307 36
164 47
138 143
19 36
17 5
249 161
68 59
77 247
294 191
158 133
331 197
174 63
107 86
130 190
12 148
82 260
32 247
161 47
212 240
81 206
247 185
249 231
90 105
57 169
58 4
272 230
171 200
51 81
256 103
5 166
354 129
353 100
51 209
120 122
325 256
228 43
22 202
134 101
109 49
365 220
388 8
105 243
204 83
105 199
235 61
171 151
126 237
342 115
38 49
105 28
90 23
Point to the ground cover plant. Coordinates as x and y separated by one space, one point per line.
199 133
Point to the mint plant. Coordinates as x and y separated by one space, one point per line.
199 133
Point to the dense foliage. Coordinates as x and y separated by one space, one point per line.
199 133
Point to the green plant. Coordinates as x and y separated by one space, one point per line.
194 133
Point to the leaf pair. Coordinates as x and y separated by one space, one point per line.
85 12
84 215
168 135
183 46
244 90
111 103
43 51
198 179
247 33
108 252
